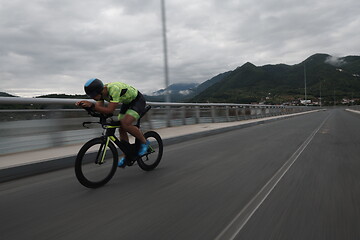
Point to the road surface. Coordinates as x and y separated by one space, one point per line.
297 178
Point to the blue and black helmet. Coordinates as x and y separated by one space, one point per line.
93 87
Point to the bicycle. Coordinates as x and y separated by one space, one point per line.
97 160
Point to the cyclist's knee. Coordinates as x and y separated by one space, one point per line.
121 129
125 124
127 121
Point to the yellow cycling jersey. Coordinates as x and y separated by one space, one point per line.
119 92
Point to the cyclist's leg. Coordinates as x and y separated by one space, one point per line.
132 114
127 124
122 131
128 127
123 134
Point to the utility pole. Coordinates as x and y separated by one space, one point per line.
320 94
305 83
166 71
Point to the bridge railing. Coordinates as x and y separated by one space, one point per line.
355 107
57 125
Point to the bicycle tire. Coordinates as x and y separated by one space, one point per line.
155 152
86 159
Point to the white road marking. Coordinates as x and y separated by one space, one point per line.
240 220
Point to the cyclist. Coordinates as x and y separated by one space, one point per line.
133 104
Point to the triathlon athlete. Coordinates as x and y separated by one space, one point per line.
133 104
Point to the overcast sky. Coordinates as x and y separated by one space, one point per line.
53 46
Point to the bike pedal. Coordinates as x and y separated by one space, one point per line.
129 163
122 166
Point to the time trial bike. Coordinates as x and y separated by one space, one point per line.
97 160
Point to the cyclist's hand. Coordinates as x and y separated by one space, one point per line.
79 104
84 104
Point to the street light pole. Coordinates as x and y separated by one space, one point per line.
166 71
305 83
320 94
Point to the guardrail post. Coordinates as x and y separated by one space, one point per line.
248 112
273 111
237 113
252 110
227 113
183 114
213 114
263 111
197 114
243 112
168 115
148 118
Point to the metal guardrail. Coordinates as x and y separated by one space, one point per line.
356 107
30 129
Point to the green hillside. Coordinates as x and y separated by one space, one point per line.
76 96
274 84
332 79
4 94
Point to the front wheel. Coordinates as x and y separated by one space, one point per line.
96 163
152 158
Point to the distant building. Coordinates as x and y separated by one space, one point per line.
348 101
305 102
295 102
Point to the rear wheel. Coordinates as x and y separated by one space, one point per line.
150 160
95 163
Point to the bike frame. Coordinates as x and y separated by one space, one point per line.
128 149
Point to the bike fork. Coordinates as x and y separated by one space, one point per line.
100 158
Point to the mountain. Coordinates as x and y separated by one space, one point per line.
182 92
327 77
178 92
274 84
76 96
178 88
4 94
211 82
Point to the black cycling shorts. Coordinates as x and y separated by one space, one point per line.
135 108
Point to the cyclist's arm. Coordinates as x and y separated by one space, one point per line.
110 108
86 104
99 103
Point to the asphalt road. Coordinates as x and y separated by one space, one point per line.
297 178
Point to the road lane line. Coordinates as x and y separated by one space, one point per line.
240 220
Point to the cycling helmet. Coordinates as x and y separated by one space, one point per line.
93 87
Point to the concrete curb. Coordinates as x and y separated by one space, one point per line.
34 168
353 111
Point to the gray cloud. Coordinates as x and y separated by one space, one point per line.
335 61
55 46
